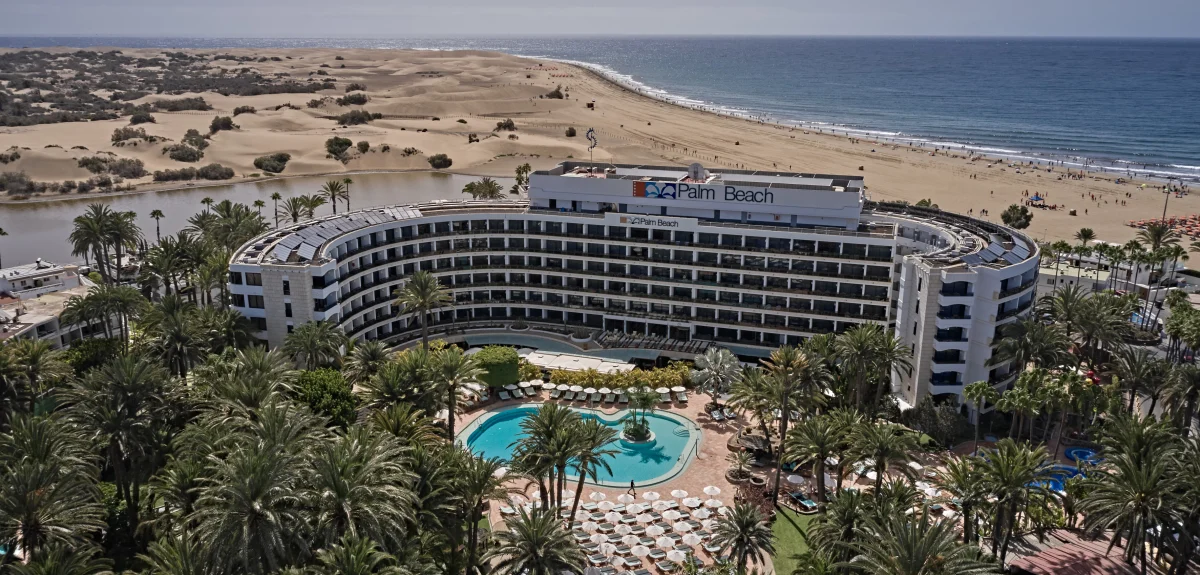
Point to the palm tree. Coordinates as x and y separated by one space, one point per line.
715 372
36 363
334 190
1084 236
746 535
837 529
157 215
882 446
456 375
259 205
91 234
484 189
421 294
408 424
364 361
592 439
814 441
793 379
275 197
40 506
897 545
1181 396
481 481
314 344
294 208
1138 368
355 555
347 181
1028 341
535 543
979 394
406 380
63 560
208 202
1014 475
962 478
177 555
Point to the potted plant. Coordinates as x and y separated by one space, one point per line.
519 325
581 334
636 430
739 470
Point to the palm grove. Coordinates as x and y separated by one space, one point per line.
177 445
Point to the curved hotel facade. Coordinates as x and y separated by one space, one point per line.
742 259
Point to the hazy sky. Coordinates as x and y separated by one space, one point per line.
406 18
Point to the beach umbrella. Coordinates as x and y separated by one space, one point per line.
626 498
623 529
691 539
640 550
723 510
510 386
713 503
949 513
795 479
679 494
662 390
712 491
671 515
608 549
567 494
525 384
606 505
871 475
831 461
589 390
661 505
598 538
693 502
645 518
916 466
604 390
830 481
679 389
631 540
708 523
577 388
665 542
500 472
651 496
548 386
702 514
634 508
681 527
676 555
597 496
655 530
589 526
582 515
612 517
563 387
519 499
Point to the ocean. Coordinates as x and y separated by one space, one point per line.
1128 106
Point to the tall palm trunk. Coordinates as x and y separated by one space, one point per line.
783 425
451 404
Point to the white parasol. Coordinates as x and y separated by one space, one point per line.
655 531
671 515
702 514
634 508
562 387
662 390
525 384
577 388
612 517
645 518
691 539
567 494
510 386
723 511
713 503
598 538
651 496
604 390
589 390
676 555
500 472
589 526
623 529
693 502
679 494
795 479
597 496
661 505
582 515
712 491
679 389
681 527
708 523
640 551
631 540
626 498
608 549
606 505
665 542
549 386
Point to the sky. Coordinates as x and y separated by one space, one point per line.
491 18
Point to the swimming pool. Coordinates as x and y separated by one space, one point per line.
1060 475
672 448
1082 455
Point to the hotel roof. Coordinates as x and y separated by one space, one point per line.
699 174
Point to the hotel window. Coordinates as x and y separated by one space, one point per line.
255 301
239 300
253 279
287 309
235 278
287 287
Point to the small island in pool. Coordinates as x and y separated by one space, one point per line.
645 463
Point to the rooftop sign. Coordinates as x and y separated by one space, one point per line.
701 192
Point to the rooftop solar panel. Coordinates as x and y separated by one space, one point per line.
995 248
291 241
1021 251
987 256
307 251
972 260
1013 258
281 252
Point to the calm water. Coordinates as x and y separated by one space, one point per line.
1125 104
41 229
641 463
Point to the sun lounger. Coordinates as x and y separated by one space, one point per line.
615 539
716 415
647 541
568 396
681 396
666 566
664 397
517 394
637 530
589 547
608 571
729 414
623 550
657 554
622 398
605 528
598 559
555 394
712 548
504 396
580 536
703 534
589 506
506 510
642 572
610 398
619 508
596 398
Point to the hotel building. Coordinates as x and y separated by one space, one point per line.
676 258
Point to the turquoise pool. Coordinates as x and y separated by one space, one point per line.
674 444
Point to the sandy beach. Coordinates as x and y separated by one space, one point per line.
468 92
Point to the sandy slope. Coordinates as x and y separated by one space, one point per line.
410 87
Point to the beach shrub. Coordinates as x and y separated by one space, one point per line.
355 99
182 174
183 153
327 393
355 87
1016 216
338 58
93 164
410 151
472 138
214 172
571 132
141 118
222 123
440 161
16 183
354 117
337 146
364 147
926 203
182 104
195 139
505 125
123 134
500 365
273 163
556 93
316 102
385 148
85 354
461 121
244 110
513 136
526 371
127 168
10 157
676 373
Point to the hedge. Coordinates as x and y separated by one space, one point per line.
677 373
327 393
500 365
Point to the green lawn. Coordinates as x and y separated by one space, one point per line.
788 541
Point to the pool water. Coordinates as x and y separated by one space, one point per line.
1060 476
1082 455
644 463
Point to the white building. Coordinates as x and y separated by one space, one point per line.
32 299
748 260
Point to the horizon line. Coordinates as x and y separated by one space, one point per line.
608 35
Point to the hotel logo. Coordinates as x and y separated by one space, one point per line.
664 190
